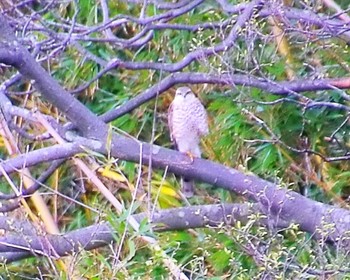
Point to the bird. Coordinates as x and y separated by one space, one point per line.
188 123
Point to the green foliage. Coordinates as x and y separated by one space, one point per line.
249 130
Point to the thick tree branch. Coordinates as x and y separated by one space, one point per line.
11 52
290 206
22 239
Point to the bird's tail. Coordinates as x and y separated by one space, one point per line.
187 187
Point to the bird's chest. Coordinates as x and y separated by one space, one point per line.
185 121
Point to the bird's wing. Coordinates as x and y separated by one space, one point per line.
170 121
203 121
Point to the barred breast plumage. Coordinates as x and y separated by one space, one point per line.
188 122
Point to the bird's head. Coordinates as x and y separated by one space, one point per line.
184 92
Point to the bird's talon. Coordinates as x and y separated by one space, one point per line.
190 156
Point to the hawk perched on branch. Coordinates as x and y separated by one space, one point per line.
188 122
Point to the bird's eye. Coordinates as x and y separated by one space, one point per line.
187 92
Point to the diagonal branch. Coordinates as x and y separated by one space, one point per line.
290 206
12 53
